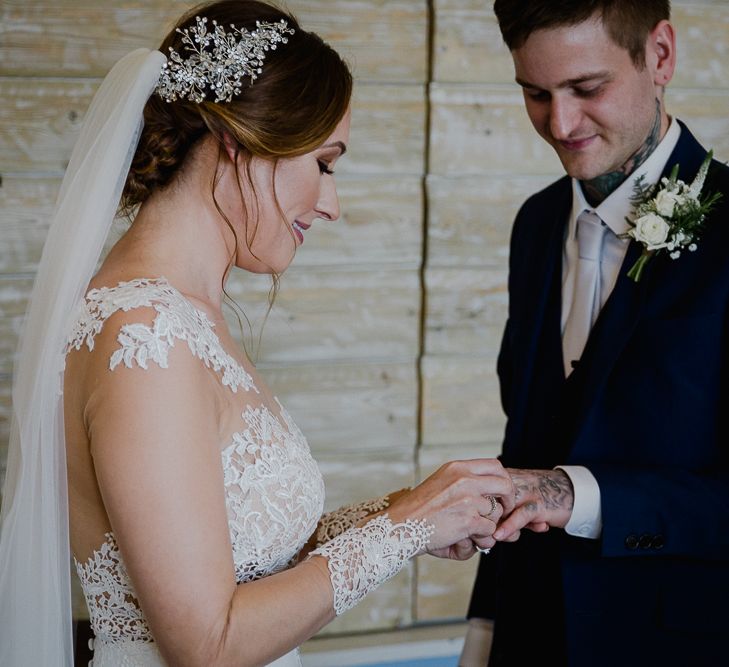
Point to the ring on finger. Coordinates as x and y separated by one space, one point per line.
493 505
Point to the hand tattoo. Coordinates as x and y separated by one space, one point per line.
553 486
597 189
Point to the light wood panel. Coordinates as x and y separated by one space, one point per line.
470 217
384 40
702 30
319 315
26 205
40 119
350 409
323 314
467 309
14 294
460 401
469 47
5 414
706 112
483 129
381 223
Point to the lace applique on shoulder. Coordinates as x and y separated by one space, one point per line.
274 493
115 612
176 318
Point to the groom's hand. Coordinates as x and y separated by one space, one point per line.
544 498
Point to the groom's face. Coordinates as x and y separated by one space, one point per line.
586 97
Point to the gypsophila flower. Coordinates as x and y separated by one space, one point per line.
669 215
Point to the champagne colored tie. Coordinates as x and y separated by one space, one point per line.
586 302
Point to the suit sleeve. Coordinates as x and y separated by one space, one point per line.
664 512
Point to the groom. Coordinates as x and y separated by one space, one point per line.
623 384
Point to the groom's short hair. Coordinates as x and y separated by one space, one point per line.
628 22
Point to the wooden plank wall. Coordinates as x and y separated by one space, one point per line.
383 340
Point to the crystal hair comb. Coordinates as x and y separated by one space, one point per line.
235 54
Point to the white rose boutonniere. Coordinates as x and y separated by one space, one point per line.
652 231
669 215
666 203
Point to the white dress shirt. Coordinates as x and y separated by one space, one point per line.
586 519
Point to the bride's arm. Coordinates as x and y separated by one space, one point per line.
154 438
334 523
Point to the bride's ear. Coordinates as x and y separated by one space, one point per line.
232 148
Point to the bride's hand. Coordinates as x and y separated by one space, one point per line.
463 501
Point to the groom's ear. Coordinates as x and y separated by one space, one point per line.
660 54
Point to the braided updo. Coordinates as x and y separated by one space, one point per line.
290 109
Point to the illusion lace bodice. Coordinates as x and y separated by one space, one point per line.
273 488
274 492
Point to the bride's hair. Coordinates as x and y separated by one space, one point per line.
294 105
290 109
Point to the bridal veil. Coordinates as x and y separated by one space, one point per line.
35 591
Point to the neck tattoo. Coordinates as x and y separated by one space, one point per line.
598 189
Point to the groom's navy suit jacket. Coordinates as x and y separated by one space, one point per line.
647 411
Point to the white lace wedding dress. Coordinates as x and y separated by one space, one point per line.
274 490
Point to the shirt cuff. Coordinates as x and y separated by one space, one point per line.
586 519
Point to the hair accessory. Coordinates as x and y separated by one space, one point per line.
235 54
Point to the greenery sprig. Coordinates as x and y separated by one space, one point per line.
669 215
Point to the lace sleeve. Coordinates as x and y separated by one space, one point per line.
360 559
335 523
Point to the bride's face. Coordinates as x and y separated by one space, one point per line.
288 198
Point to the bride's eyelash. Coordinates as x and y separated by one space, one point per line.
324 168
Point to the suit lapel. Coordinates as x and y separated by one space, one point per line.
622 311
538 283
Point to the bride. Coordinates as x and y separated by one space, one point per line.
143 439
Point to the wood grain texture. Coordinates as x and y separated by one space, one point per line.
469 47
6 384
346 410
384 40
461 403
380 224
467 310
40 119
705 113
334 314
484 129
26 205
470 218
14 294
702 34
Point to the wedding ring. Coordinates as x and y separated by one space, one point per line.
493 505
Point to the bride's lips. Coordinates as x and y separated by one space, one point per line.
299 229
